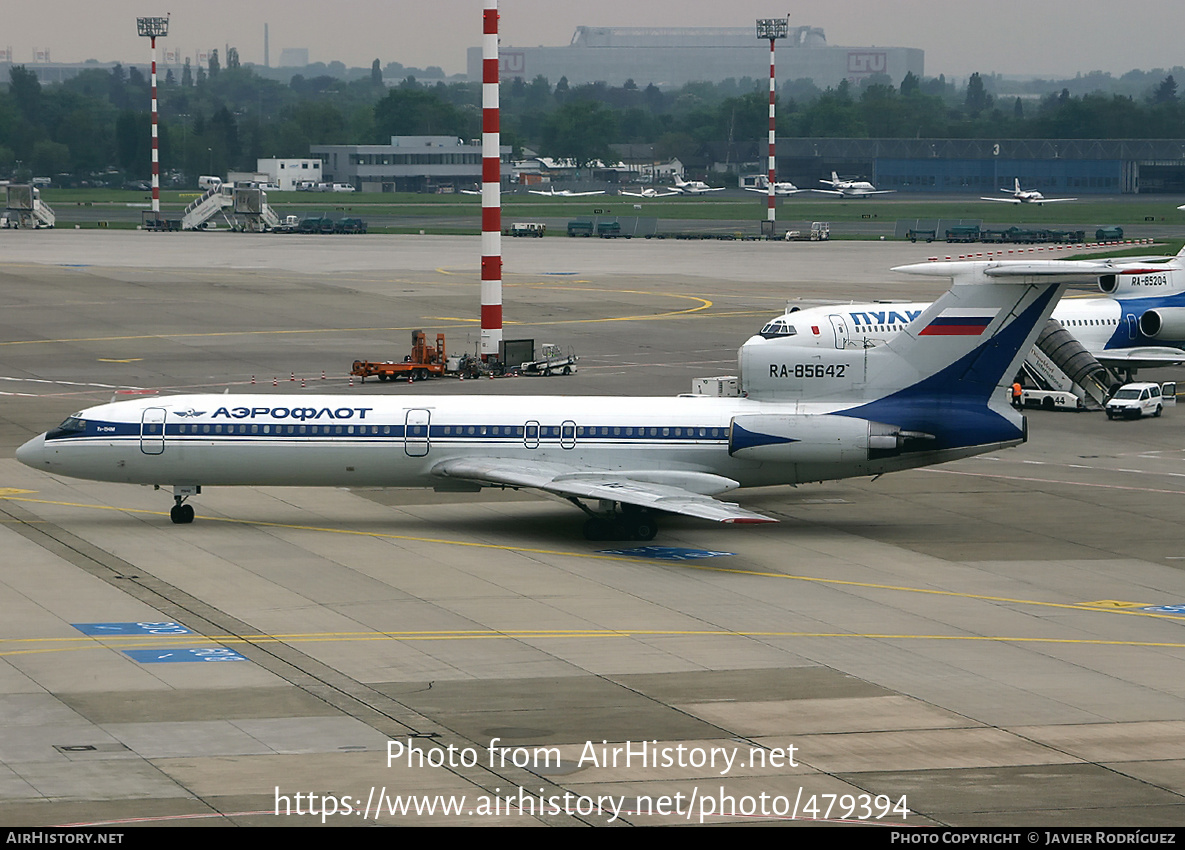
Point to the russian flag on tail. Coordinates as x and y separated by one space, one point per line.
960 321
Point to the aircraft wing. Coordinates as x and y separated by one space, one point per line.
1055 200
1004 200
674 492
829 192
1146 357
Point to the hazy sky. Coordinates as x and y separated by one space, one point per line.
1006 36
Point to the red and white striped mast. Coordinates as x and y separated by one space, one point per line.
152 28
491 188
773 29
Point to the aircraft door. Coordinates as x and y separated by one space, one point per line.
568 434
152 431
841 330
531 435
416 426
1133 326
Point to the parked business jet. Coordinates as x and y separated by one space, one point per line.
780 189
931 394
851 188
552 192
1026 196
695 187
1140 324
650 193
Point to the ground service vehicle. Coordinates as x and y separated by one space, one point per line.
1133 401
526 228
423 362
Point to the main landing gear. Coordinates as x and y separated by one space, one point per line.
630 523
181 513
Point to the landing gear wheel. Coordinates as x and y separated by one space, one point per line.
642 527
633 526
181 514
596 529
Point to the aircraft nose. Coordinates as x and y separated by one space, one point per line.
33 452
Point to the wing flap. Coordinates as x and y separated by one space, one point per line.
684 493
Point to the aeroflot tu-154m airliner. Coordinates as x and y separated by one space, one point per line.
934 392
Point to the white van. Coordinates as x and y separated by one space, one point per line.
206 182
343 187
1134 401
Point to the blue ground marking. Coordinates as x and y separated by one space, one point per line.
1165 609
665 553
101 629
179 655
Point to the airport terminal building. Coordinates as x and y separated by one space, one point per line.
672 56
408 164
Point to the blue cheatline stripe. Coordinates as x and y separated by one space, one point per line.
97 431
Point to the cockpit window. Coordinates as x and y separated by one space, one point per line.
72 427
777 328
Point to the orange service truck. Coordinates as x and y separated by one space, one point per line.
423 362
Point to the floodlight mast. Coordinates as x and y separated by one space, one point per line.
152 28
772 29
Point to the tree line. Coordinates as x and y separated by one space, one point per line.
95 127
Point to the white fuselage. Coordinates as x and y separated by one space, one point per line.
396 441
1093 321
696 187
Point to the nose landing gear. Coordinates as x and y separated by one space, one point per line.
181 513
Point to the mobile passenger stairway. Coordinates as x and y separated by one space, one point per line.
214 202
1059 367
24 208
